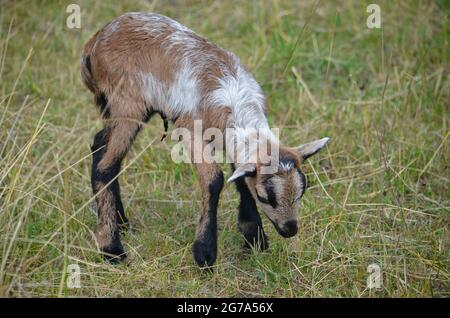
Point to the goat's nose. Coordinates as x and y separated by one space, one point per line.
290 228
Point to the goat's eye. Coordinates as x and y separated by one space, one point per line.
260 198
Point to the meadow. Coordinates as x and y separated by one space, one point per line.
379 194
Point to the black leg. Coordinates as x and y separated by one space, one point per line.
249 221
109 148
205 245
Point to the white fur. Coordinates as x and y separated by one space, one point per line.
180 97
244 96
286 166
242 93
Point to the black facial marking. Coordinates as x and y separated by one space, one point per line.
271 197
260 198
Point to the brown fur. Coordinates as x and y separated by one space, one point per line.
116 58
107 223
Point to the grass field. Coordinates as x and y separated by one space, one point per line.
379 194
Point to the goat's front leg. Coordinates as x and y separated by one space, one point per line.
249 221
211 183
109 148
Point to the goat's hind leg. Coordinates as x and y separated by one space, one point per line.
109 148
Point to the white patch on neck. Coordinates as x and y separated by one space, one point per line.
244 96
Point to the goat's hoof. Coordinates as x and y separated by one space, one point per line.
260 242
114 253
205 253
254 235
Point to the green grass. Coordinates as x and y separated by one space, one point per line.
379 194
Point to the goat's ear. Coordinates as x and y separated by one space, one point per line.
242 170
311 148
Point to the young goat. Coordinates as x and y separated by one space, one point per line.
144 63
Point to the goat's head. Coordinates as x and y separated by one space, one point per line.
279 194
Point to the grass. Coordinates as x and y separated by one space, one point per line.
379 194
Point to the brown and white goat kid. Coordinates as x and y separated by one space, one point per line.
144 63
